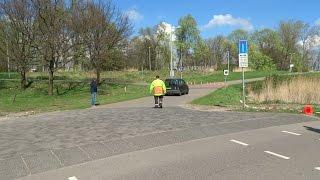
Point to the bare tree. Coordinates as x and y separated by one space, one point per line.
77 13
19 34
308 40
163 46
104 29
54 35
289 32
217 49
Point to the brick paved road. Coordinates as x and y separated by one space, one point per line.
34 144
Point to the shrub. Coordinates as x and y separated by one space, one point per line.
259 61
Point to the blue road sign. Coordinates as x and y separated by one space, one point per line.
243 47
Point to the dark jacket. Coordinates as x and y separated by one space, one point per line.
94 86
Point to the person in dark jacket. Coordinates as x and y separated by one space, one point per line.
94 91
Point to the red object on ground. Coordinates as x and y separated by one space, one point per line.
308 110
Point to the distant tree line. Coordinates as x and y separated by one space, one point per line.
292 42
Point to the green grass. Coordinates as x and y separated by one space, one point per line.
73 90
12 75
145 76
36 99
229 96
219 77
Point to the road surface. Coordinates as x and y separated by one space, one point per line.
131 140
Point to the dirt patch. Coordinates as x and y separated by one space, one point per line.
15 115
206 108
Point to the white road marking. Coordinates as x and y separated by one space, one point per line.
278 155
72 178
317 168
288 132
239 142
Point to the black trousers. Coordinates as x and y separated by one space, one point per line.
158 100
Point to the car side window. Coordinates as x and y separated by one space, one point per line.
175 82
181 82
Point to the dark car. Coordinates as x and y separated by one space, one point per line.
176 86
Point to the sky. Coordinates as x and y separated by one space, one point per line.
215 17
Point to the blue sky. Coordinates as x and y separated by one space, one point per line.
221 16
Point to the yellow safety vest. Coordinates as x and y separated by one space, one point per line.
158 88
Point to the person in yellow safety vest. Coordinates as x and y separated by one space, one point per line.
158 89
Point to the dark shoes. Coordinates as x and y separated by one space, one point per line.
158 106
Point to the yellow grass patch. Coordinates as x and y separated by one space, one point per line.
303 90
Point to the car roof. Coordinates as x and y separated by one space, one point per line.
174 79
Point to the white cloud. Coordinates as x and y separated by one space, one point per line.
229 20
317 41
311 42
133 15
317 22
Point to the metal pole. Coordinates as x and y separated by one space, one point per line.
142 71
8 59
243 90
228 61
290 68
171 74
149 59
225 80
8 66
181 65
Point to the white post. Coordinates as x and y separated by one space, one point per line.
8 58
225 80
290 67
228 61
171 65
180 61
243 89
181 65
149 59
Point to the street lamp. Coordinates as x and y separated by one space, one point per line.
7 48
8 59
171 63
291 65
149 59
172 30
228 56
181 68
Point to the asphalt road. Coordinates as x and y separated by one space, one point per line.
267 153
131 140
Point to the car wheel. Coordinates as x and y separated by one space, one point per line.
187 92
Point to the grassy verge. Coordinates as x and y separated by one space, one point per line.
226 97
230 97
219 77
36 99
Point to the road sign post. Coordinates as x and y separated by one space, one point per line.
243 63
226 74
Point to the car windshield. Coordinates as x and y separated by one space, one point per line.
170 82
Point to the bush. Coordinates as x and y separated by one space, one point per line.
261 62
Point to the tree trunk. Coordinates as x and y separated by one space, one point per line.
50 91
23 79
98 75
